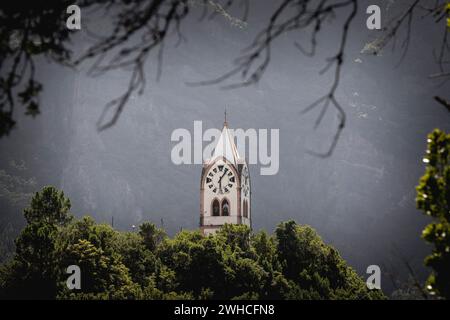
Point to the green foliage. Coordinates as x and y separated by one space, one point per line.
433 198
48 206
95 249
34 270
151 235
447 9
315 270
294 263
140 261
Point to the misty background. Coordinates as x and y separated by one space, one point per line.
360 200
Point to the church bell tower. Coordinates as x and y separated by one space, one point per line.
224 186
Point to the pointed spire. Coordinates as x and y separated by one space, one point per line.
225 123
225 145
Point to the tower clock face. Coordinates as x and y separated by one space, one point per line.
220 179
245 182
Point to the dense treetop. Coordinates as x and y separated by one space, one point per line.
293 263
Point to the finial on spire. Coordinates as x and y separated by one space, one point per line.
225 122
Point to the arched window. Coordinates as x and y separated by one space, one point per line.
216 208
225 208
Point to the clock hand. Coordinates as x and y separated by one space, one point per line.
220 182
222 177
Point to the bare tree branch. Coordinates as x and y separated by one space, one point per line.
252 65
438 11
142 27
443 102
